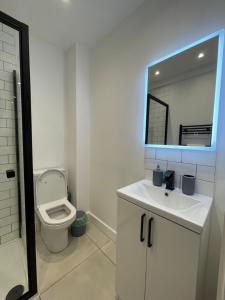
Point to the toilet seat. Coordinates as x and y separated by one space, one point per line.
44 211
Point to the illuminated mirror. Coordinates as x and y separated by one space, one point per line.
183 96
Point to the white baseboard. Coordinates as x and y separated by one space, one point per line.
106 229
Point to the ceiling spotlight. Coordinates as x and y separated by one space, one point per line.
157 73
201 55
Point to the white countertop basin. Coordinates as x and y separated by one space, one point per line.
188 211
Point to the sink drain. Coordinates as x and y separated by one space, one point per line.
15 293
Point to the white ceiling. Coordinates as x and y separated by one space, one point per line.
64 22
185 64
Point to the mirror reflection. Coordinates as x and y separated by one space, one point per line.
181 92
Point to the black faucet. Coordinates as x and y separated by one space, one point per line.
170 179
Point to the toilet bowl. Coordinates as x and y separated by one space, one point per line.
54 211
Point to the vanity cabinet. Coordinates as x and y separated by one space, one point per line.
157 259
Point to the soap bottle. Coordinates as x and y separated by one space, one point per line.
157 176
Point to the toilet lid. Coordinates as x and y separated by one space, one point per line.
50 186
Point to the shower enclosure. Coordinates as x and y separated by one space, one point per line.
17 233
156 121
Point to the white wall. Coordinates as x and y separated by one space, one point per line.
78 124
70 121
60 115
219 201
186 100
47 100
82 126
117 104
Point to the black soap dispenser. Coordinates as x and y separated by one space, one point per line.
157 176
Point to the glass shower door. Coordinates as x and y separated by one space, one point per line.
17 249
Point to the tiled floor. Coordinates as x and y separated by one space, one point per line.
84 270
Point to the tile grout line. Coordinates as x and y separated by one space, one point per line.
107 256
100 248
83 261
179 162
60 279
40 293
90 222
95 243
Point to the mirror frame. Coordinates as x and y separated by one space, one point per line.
23 31
220 35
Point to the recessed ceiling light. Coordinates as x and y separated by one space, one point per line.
157 73
201 55
66 1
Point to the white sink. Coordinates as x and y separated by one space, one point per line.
188 211
173 200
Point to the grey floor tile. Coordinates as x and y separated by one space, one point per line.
94 279
98 237
110 251
53 267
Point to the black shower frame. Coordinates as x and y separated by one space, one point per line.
23 30
149 97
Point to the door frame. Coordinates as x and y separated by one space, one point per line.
149 98
23 30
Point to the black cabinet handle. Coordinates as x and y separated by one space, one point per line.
150 232
142 227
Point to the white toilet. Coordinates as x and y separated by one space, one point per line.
54 210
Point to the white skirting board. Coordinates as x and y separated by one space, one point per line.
106 229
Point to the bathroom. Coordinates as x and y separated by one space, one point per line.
88 62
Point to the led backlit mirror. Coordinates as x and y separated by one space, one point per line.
183 96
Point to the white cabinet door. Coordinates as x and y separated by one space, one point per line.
131 251
172 261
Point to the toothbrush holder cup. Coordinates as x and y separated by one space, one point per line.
188 184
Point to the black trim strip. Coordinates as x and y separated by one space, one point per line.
151 97
27 149
17 150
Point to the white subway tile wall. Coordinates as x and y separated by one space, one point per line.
198 163
9 226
